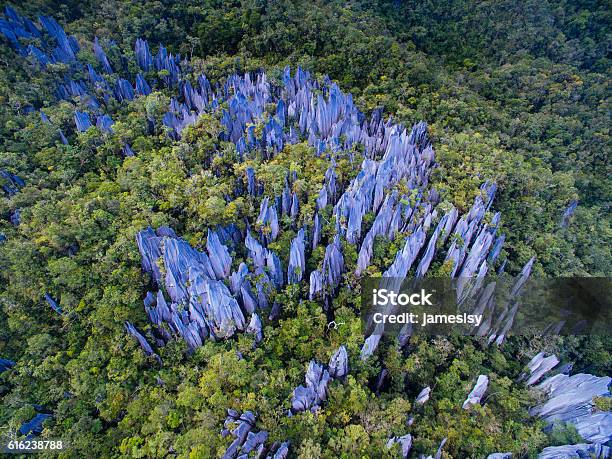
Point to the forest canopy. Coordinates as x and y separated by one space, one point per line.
513 94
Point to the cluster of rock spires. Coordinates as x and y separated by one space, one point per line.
247 442
329 121
321 113
406 155
201 305
16 28
470 260
314 392
102 85
569 400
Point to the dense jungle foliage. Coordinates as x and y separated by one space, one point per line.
516 92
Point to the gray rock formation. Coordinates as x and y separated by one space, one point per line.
311 395
405 443
255 328
338 364
570 400
477 392
539 366
423 396
248 442
579 451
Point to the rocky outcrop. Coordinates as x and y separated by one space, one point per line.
404 442
142 341
311 395
247 441
570 400
51 302
438 453
579 451
11 183
539 366
477 392
423 396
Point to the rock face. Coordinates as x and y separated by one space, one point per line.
596 428
297 260
579 451
570 400
220 258
311 395
82 121
477 392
